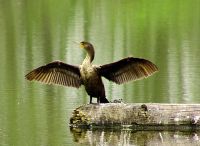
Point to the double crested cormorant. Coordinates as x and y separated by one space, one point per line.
90 75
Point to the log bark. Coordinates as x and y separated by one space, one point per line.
137 116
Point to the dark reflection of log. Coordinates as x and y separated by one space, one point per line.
182 117
112 137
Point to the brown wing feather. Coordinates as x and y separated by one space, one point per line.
56 73
127 69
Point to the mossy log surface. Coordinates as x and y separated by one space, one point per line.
137 116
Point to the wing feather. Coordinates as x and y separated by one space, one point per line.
127 69
56 73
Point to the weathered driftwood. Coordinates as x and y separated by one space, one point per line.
151 116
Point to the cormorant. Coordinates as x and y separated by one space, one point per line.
89 75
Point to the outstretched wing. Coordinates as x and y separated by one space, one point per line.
127 69
56 73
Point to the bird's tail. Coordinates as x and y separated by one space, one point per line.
103 100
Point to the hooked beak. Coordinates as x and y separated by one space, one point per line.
80 44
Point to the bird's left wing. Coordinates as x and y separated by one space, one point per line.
127 69
57 73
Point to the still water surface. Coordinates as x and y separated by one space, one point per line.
37 32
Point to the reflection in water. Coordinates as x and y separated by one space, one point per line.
129 138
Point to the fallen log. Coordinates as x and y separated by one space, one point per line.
137 116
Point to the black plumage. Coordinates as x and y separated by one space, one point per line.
57 73
89 75
127 69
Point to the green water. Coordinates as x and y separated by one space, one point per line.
33 33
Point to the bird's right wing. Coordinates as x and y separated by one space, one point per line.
127 69
56 73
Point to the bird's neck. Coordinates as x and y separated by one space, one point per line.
89 57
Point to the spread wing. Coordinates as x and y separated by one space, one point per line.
127 69
56 73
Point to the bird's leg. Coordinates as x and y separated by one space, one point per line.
98 100
90 99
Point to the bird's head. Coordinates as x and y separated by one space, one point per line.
89 48
86 45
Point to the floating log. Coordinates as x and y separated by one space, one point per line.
137 116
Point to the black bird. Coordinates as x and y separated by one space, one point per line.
90 75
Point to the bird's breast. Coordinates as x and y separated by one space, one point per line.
88 73
92 81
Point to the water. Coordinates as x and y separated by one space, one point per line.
37 32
